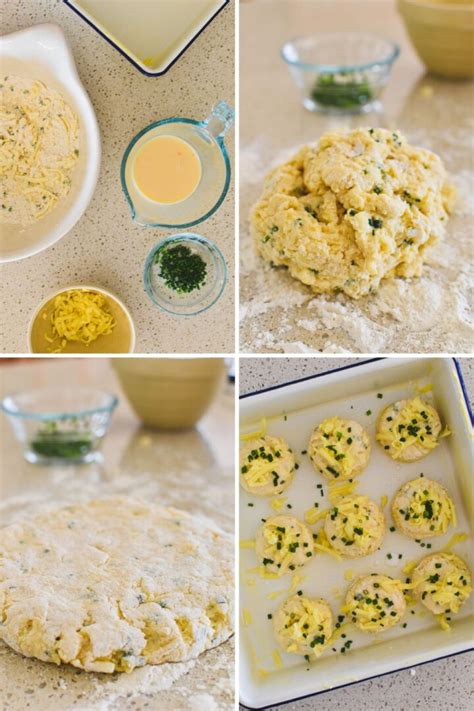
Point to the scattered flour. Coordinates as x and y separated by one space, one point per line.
431 314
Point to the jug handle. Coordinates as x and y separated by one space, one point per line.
219 120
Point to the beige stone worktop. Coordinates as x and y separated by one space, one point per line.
192 470
278 313
106 248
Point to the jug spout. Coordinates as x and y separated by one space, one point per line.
220 119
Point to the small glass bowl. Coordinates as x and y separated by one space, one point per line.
340 72
60 425
199 299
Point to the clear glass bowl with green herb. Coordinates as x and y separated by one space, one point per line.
185 274
340 72
60 425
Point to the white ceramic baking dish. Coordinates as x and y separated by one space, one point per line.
151 35
41 52
292 410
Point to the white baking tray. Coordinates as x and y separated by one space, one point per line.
151 34
292 410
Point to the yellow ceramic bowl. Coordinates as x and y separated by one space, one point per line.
169 393
121 340
442 32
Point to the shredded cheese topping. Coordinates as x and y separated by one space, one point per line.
266 461
442 582
408 423
425 507
39 149
338 448
285 543
375 602
304 625
355 521
79 315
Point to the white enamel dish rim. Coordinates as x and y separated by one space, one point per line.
45 46
423 641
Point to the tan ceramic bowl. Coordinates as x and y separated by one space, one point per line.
169 393
442 32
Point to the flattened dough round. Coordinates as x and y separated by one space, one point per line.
355 526
284 543
114 584
408 429
442 582
339 449
354 209
266 466
423 508
303 625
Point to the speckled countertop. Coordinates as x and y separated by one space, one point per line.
106 248
192 470
440 685
278 313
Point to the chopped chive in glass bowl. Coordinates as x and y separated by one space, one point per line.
185 274
57 426
340 72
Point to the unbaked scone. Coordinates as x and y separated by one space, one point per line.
375 602
267 466
339 449
442 582
409 429
303 625
115 584
352 210
283 543
423 508
355 527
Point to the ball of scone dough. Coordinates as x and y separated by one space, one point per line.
356 208
442 582
355 526
423 508
339 449
408 429
303 625
267 466
283 543
375 602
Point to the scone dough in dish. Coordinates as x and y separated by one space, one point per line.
339 449
408 429
355 527
303 625
267 466
375 603
423 508
442 582
352 210
115 584
283 543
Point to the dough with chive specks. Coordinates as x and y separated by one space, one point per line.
423 508
355 526
339 449
374 603
442 582
115 584
267 466
408 429
354 209
283 543
303 625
